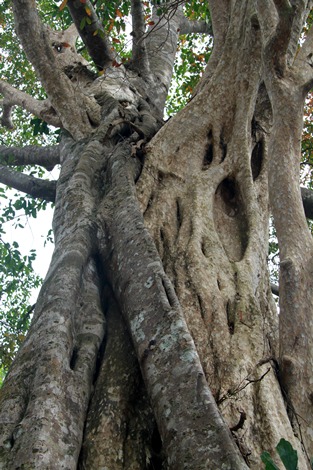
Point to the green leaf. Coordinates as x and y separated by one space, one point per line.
82 23
267 459
288 454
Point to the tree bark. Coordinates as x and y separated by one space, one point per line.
156 342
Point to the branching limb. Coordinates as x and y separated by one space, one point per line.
161 41
35 40
35 187
201 27
139 50
13 97
281 36
46 157
93 34
220 15
301 10
278 46
303 64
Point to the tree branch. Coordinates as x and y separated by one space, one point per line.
201 27
98 45
35 187
139 50
36 43
46 157
278 45
220 15
161 42
301 10
12 97
303 64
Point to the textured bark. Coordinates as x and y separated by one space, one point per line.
35 187
156 342
12 97
47 157
97 45
287 86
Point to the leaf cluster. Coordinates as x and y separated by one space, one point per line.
287 454
17 279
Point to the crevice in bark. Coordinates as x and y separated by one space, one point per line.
223 147
203 247
257 159
74 358
230 219
209 154
157 457
179 217
201 307
149 204
162 236
230 318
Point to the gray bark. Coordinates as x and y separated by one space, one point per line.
98 44
47 157
287 87
158 286
35 187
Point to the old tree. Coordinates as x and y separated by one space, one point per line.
155 342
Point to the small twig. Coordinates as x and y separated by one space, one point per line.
232 392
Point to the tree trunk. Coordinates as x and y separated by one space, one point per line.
155 340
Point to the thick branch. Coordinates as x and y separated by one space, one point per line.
161 43
278 46
12 97
220 14
92 34
201 27
303 64
301 9
139 56
35 40
35 187
46 157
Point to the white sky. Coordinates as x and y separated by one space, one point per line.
33 236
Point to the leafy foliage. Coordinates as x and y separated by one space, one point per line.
194 53
287 454
17 279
